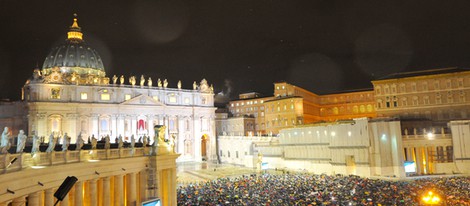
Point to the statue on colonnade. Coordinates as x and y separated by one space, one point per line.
36 143
149 82
115 79
65 142
107 142
121 79
5 141
94 142
21 142
120 142
80 142
142 80
51 146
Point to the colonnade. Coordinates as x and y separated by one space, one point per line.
116 190
426 156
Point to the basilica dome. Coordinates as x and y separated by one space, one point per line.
74 56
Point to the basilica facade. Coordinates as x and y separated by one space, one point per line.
71 95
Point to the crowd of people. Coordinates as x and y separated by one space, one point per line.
309 189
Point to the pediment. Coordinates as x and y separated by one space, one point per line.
143 100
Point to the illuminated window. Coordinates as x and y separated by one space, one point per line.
283 87
83 95
261 101
438 98
285 107
186 100
155 98
127 97
448 84
238 104
415 101
277 87
292 106
436 85
172 99
450 97
413 87
262 114
105 97
55 93
402 88
426 100
232 104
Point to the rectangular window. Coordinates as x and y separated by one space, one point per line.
186 100
127 97
105 97
55 93
172 99
155 98
83 96
436 85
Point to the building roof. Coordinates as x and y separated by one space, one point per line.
424 73
74 55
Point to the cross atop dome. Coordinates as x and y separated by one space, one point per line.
75 32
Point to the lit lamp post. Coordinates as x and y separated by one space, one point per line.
431 199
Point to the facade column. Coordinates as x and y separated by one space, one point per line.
120 126
93 192
41 129
131 189
20 201
150 130
167 124
197 134
71 126
106 191
33 199
118 190
49 197
409 153
79 193
94 125
134 125
180 138
114 131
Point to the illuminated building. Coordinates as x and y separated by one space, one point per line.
429 134
292 105
72 94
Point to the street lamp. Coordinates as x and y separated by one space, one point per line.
431 199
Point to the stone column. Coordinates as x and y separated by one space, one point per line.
419 160
106 191
33 199
167 124
93 192
79 193
49 198
65 201
426 157
131 189
118 190
20 201
143 185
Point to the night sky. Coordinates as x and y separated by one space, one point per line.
324 46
